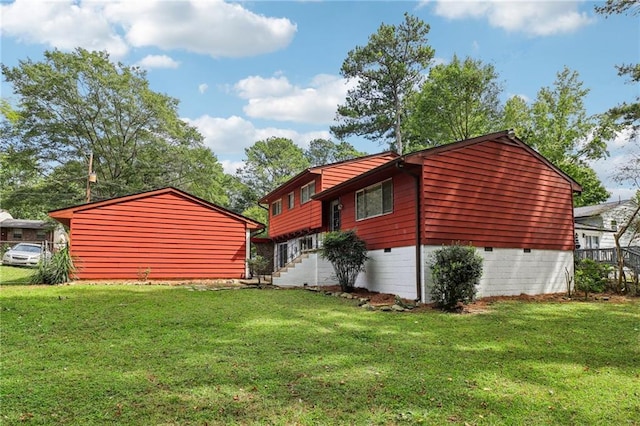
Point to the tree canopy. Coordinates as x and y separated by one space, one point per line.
323 151
74 105
388 69
459 100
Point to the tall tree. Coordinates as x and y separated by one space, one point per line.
387 70
269 164
458 101
323 151
74 104
627 114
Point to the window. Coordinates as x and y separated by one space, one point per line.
276 208
614 225
375 200
306 192
592 242
17 234
292 200
41 234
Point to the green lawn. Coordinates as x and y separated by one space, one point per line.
15 275
166 355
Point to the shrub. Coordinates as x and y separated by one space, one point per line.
259 266
591 276
56 270
456 272
347 253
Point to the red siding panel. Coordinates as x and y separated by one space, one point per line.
496 195
169 235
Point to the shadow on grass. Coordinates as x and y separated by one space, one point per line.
167 355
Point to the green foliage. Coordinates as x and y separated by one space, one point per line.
73 104
323 151
58 269
592 276
269 164
259 266
348 255
456 272
459 100
388 69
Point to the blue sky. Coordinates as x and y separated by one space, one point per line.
245 71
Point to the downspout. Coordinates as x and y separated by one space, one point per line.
400 165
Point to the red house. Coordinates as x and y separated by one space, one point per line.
161 234
493 192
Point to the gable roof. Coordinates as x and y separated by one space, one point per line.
64 215
598 209
303 176
505 136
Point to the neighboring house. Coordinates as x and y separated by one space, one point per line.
492 192
161 234
296 220
597 225
13 231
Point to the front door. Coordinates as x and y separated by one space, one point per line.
334 215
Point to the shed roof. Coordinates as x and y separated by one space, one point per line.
64 215
416 158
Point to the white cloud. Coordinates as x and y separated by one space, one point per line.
63 24
212 27
158 61
538 18
203 88
230 167
230 136
277 99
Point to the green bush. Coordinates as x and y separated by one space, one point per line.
456 272
347 253
56 270
591 276
259 266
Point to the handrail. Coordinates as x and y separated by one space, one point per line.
630 256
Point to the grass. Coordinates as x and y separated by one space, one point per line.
15 275
165 355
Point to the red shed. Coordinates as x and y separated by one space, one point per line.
161 234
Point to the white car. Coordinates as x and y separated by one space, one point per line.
24 254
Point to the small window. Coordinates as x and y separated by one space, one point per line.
527 250
41 234
488 249
614 225
292 200
276 208
17 234
306 192
375 200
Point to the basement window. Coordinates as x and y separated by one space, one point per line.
488 249
527 250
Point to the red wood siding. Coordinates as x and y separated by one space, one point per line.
396 229
308 216
171 235
496 195
335 174
302 217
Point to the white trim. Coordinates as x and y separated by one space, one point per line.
247 254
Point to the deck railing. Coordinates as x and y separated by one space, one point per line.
630 256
